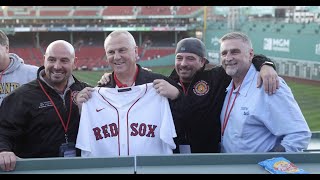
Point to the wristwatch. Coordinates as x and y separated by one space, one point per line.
269 64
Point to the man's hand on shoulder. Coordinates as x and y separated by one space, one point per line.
166 89
105 79
147 69
269 77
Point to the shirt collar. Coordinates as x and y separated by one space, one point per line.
70 81
247 82
120 84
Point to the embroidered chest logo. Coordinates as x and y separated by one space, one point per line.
45 104
98 110
245 111
201 88
73 96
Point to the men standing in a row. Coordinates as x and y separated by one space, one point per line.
196 110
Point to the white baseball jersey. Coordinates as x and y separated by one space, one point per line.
126 122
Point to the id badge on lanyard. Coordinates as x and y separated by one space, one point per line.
67 150
221 145
185 149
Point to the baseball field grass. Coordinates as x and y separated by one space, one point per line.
307 95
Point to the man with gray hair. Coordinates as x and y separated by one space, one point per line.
121 53
253 121
40 119
13 71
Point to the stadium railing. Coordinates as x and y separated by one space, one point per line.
218 163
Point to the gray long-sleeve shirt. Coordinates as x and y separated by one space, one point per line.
16 74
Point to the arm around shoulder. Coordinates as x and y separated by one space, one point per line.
259 60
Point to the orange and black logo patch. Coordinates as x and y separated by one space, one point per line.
201 88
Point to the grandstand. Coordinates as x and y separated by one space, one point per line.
31 28
288 34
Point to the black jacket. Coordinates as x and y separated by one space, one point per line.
197 113
143 77
29 124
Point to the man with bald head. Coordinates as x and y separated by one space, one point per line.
40 119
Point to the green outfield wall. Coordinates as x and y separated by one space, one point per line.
294 48
163 61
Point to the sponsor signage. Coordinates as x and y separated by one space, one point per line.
183 28
160 17
119 17
143 28
119 28
22 29
76 28
162 28
62 29
66 29
94 29
39 29
276 44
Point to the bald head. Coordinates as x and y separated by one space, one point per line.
60 45
59 62
117 33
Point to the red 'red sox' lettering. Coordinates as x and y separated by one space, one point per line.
112 130
142 129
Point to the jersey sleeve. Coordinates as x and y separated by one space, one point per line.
83 137
167 129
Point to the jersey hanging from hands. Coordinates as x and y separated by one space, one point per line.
126 122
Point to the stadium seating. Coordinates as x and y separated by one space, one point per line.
27 55
154 53
155 10
85 13
96 10
183 10
54 13
117 10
